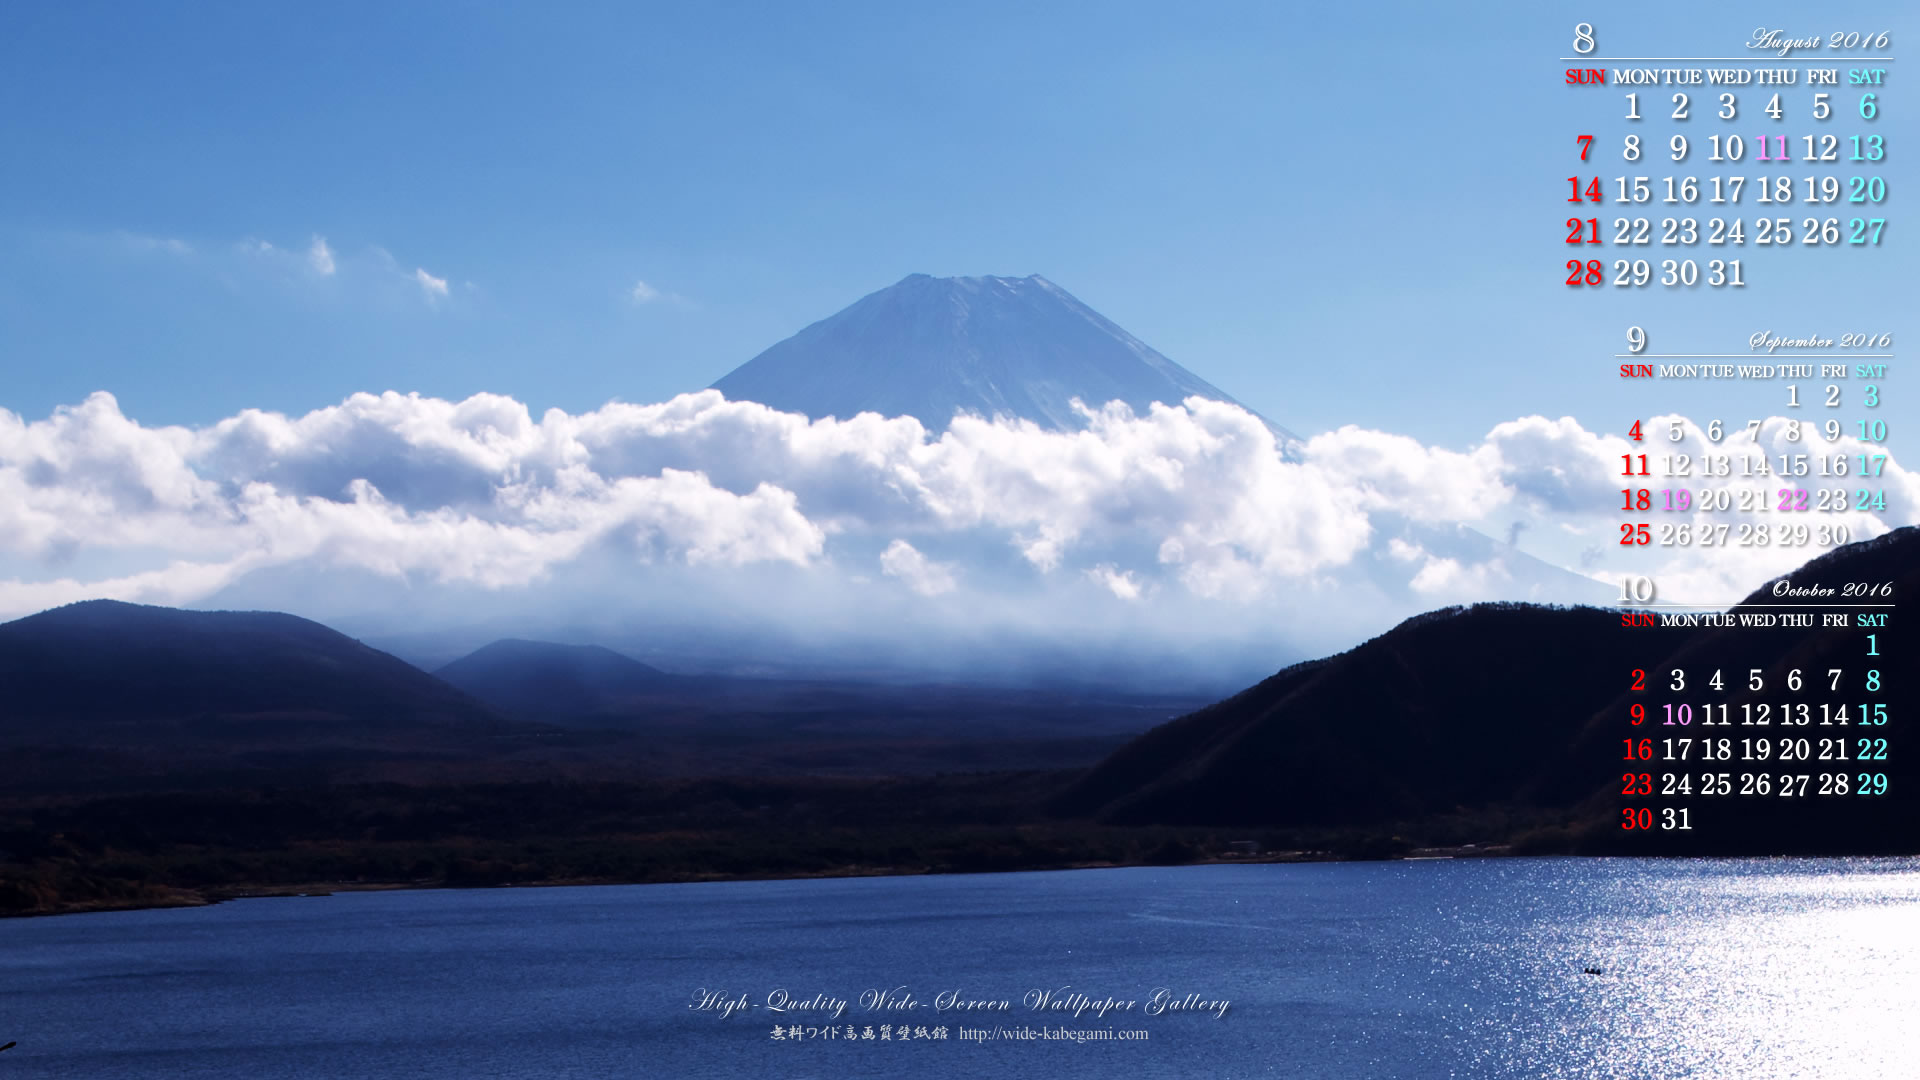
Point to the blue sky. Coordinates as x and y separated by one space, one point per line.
1320 211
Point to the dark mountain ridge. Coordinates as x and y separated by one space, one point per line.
1448 708
106 662
540 677
104 696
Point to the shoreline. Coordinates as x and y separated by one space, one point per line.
192 898
209 897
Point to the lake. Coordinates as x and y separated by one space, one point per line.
1446 968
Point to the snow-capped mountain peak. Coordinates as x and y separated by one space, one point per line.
932 347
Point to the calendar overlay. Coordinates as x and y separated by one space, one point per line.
1780 705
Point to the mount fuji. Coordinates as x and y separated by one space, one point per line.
932 347
1025 348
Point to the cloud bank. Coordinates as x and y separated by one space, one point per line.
1187 511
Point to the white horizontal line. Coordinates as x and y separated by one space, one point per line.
1717 607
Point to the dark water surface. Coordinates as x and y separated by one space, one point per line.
1465 968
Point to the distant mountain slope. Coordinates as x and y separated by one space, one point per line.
929 347
530 678
102 663
1523 705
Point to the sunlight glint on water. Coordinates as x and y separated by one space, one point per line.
1462 969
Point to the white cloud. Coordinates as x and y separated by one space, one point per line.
1179 505
645 293
1121 583
320 257
924 576
1398 473
1206 475
369 275
89 478
1449 578
1401 551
